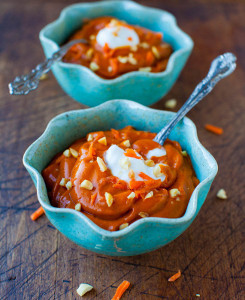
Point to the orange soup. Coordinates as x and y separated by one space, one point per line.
115 48
119 176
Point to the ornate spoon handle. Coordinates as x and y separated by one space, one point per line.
22 85
221 67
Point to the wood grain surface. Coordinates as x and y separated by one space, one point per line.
36 261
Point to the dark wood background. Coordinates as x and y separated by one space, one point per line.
36 261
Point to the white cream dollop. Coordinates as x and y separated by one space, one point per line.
157 152
117 35
115 154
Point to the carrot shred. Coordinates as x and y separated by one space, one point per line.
134 185
115 133
144 176
91 150
175 276
214 129
38 213
131 153
93 197
121 185
106 47
121 290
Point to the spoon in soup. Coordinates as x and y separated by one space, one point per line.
22 85
221 67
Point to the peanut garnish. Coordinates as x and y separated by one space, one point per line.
149 195
157 171
144 45
126 143
109 199
78 207
101 164
74 153
90 137
145 69
171 103
131 59
103 141
149 163
93 66
131 174
67 153
155 52
84 288
131 195
184 153
63 182
69 185
222 194
122 59
122 226
125 163
174 193
87 185
89 53
143 214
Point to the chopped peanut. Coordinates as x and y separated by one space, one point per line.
144 45
122 59
44 76
157 171
89 53
87 185
123 226
69 185
90 137
155 52
149 163
146 69
184 153
171 103
109 69
174 193
131 195
67 153
74 153
93 66
92 37
143 214
149 195
63 182
134 48
78 207
109 199
131 59
125 163
101 164
131 174
103 141
84 288
222 194
126 143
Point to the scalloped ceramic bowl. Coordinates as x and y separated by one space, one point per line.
143 235
84 85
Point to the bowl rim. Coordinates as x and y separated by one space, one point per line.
170 65
174 222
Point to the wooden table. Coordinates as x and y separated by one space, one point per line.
36 261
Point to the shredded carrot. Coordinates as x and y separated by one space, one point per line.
214 129
121 185
175 276
134 185
153 184
130 38
131 153
121 290
144 176
106 48
93 197
38 213
115 133
149 58
159 35
91 150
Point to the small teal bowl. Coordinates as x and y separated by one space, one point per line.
84 85
143 235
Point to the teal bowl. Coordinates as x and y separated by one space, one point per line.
143 235
83 85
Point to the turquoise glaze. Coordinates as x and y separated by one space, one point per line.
85 86
143 235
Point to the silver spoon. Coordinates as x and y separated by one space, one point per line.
22 85
221 67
